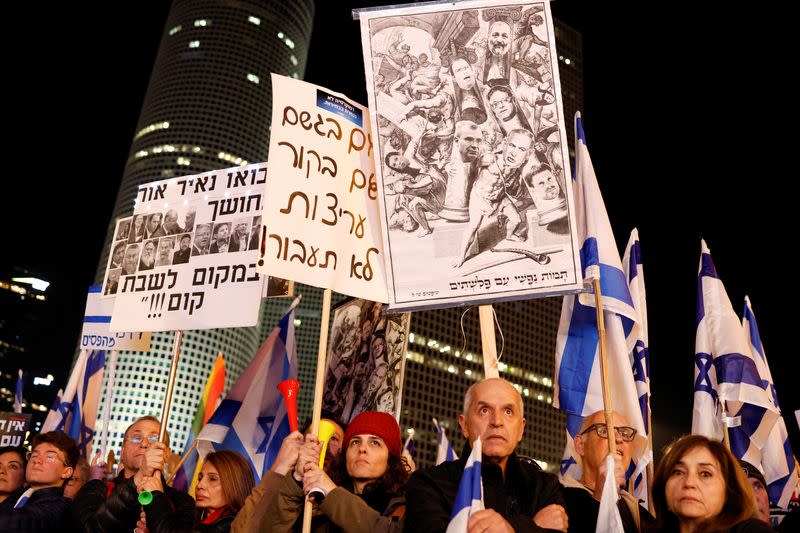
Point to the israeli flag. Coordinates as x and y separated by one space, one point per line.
469 498
252 418
444 452
608 517
727 381
775 458
578 389
18 394
76 413
640 360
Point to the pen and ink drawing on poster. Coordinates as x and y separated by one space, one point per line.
471 152
365 364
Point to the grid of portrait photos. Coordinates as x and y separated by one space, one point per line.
145 242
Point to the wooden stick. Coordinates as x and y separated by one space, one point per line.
608 407
650 468
319 386
180 463
173 373
486 315
726 440
112 370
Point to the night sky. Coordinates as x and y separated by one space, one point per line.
685 113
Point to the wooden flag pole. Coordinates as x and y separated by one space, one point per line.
726 440
608 407
180 463
112 370
319 386
488 342
173 373
649 467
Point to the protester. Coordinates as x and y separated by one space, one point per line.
252 517
43 507
364 491
583 496
699 487
517 495
224 482
113 506
759 485
79 478
12 471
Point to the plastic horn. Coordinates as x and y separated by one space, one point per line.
145 497
326 431
289 390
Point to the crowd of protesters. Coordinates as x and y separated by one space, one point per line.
366 485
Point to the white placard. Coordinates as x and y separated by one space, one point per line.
471 153
321 212
194 264
95 334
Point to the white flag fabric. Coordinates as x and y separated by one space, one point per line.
775 459
444 452
726 377
578 389
77 409
469 498
640 360
252 419
608 517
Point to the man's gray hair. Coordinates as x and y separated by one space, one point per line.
470 390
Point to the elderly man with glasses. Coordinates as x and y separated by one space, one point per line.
42 506
113 505
583 496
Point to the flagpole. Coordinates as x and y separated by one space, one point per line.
112 370
319 385
180 463
608 408
649 468
173 373
725 437
488 342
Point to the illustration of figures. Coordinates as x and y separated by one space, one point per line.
467 117
365 359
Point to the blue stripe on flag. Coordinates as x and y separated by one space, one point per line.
706 270
736 368
95 288
91 319
225 413
634 261
578 358
755 337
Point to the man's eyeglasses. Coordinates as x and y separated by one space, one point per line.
45 457
152 439
627 433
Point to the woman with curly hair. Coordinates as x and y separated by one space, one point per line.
699 488
363 490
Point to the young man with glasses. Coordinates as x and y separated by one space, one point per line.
42 506
113 505
583 496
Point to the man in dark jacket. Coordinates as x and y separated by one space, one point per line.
583 496
113 506
42 507
518 496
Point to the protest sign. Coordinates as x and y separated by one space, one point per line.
321 214
365 360
13 427
192 265
95 334
471 153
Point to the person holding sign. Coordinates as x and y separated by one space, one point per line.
42 507
363 491
114 506
222 487
518 496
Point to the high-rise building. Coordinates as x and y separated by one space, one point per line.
442 362
208 106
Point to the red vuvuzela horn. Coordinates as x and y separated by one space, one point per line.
289 390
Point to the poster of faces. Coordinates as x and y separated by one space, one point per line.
471 152
365 360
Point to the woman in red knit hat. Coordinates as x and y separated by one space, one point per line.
364 488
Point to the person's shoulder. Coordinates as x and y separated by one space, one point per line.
752 525
447 471
179 498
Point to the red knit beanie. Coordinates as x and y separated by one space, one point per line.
381 425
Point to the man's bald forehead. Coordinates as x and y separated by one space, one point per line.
598 417
487 384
